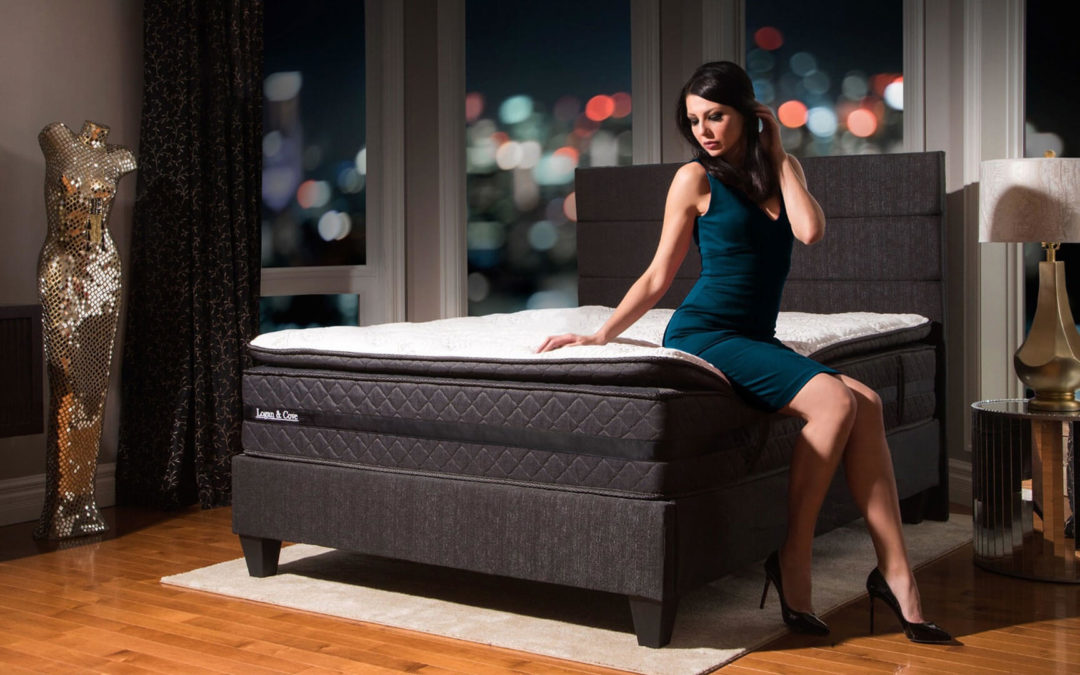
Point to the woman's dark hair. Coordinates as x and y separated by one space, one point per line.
726 83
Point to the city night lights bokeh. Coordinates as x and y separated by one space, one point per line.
547 91
832 71
534 114
314 158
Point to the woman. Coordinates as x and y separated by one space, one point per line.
743 201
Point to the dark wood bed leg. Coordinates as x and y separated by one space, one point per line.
653 620
261 555
937 507
913 509
932 503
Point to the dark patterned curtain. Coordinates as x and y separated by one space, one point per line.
194 270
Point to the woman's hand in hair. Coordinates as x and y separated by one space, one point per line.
770 134
804 213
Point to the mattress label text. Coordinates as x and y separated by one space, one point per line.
276 415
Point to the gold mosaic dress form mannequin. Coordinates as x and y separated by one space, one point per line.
79 285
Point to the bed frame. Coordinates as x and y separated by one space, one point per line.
884 252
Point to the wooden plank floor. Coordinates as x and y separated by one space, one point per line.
98 607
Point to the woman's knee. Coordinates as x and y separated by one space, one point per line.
845 404
867 400
827 399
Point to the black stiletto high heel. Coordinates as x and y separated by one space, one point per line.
800 622
926 632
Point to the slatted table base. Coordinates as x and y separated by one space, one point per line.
1020 491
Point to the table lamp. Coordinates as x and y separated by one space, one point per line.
1022 200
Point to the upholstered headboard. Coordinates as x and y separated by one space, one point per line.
883 249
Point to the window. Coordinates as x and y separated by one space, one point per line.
313 148
547 91
314 158
1049 126
832 71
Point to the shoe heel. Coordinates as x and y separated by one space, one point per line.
801 622
924 632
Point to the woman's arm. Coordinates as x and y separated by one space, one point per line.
689 187
807 218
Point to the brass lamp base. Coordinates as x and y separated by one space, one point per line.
1049 359
1066 403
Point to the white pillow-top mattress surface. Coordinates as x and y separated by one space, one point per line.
516 336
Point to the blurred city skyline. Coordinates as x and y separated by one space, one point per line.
533 115
833 72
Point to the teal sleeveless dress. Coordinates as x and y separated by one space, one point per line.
729 316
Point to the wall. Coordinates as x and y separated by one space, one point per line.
63 62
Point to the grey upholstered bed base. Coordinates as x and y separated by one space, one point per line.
883 253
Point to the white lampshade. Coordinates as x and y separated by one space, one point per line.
1030 200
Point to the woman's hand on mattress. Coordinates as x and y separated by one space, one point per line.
568 340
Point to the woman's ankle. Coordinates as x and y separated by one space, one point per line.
906 590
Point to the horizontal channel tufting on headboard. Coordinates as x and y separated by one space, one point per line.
883 250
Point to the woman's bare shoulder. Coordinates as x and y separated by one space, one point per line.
691 171
689 185
690 179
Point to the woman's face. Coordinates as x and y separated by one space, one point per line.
718 128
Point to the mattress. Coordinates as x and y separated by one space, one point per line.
634 421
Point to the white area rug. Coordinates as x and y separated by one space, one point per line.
715 624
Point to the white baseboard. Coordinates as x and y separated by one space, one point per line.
960 481
21 499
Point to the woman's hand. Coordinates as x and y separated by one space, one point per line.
770 134
568 340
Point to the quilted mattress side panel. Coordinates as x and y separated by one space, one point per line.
631 441
632 422
736 457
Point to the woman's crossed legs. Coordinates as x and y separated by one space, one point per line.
843 423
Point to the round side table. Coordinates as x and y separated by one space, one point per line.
1020 476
